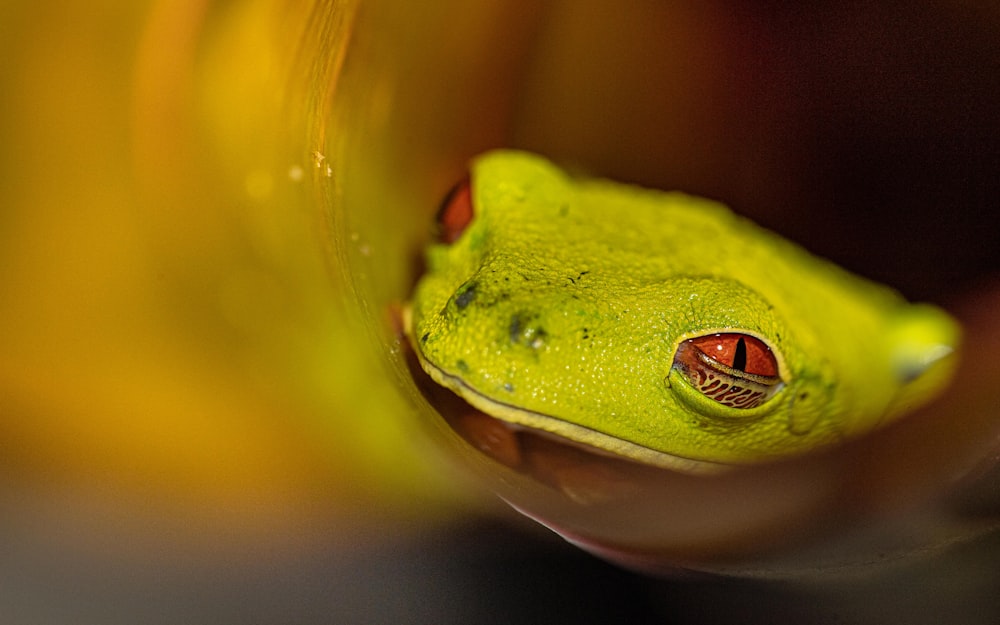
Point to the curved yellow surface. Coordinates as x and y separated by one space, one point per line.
176 338
210 210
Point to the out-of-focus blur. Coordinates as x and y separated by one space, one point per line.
174 343
209 212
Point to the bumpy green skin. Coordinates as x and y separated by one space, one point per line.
561 306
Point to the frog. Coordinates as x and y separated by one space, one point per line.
659 327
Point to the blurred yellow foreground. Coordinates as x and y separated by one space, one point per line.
176 346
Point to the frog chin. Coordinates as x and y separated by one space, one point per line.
553 427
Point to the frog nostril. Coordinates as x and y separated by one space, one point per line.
456 212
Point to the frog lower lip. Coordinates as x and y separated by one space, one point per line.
552 426
583 474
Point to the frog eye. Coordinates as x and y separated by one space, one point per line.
455 213
737 370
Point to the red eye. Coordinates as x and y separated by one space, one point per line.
456 212
736 370
739 351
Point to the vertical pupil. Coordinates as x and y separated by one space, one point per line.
740 357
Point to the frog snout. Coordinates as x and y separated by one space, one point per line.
922 338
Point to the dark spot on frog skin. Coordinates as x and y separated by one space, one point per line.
515 328
523 330
427 335
462 366
579 277
465 296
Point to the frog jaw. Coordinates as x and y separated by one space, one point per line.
570 433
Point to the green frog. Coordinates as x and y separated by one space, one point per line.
659 327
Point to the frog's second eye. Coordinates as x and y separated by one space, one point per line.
456 212
734 369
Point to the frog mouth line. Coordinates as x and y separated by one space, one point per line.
580 436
